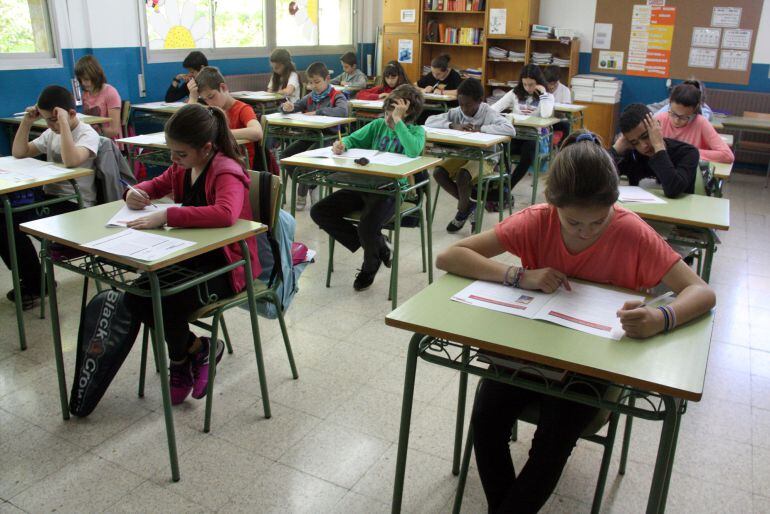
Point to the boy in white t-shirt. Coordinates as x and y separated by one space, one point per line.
66 141
561 93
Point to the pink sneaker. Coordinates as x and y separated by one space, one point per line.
200 366
180 376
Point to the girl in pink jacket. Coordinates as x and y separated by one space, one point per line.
208 177
684 122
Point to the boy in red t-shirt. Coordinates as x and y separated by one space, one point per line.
581 233
243 123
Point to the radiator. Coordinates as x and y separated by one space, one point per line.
735 103
248 82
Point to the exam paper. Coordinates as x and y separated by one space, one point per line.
18 170
636 194
300 116
471 136
159 105
586 308
139 245
375 104
374 156
125 214
156 138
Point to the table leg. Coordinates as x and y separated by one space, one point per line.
160 346
406 421
8 211
429 231
536 171
479 214
656 502
461 395
255 330
55 330
396 247
709 256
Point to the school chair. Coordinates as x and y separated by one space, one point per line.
411 206
757 146
263 293
531 415
125 116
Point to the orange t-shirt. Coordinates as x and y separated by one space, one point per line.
628 254
238 116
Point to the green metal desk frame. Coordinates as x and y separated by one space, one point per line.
541 160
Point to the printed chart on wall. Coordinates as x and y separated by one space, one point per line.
670 38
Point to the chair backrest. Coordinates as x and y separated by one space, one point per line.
758 115
125 112
255 197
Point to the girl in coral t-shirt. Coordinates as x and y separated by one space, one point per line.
99 98
580 234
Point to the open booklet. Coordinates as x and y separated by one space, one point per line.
140 245
636 194
374 156
124 215
586 308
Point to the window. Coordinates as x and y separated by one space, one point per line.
313 22
241 28
27 35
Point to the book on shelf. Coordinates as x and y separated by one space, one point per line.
454 5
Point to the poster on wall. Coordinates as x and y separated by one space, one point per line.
736 60
737 39
405 51
729 17
602 36
408 16
497 21
707 37
652 34
702 58
610 61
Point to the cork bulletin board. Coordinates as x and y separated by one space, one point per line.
712 40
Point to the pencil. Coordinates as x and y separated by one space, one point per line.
657 299
135 190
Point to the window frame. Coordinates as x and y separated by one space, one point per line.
164 56
37 60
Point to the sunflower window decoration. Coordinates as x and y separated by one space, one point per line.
178 24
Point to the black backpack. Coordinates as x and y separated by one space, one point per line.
106 334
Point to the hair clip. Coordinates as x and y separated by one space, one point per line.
588 136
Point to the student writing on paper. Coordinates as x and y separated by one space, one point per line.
641 151
284 79
456 176
524 99
322 100
67 141
442 79
209 178
684 121
396 133
392 76
241 119
181 83
351 75
580 233
99 98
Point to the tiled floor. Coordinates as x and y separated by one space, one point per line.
331 443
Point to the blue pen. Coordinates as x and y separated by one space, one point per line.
134 190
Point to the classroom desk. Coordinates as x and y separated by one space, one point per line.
450 146
716 123
435 102
262 101
662 372
722 170
573 112
12 122
321 173
365 111
157 154
728 139
80 227
701 214
743 124
158 112
286 130
535 128
6 188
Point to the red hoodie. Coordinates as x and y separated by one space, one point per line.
373 93
227 192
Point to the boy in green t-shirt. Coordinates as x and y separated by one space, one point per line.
395 133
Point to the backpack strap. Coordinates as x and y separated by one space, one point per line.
265 208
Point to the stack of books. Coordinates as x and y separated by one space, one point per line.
472 73
541 58
495 52
596 88
541 32
558 61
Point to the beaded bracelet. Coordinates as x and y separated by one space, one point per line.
519 274
666 321
671 316
507 274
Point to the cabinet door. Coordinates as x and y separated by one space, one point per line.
601 119
517 16
391 14
390 43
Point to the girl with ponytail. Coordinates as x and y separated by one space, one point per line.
208 178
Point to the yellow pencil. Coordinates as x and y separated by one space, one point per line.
339 134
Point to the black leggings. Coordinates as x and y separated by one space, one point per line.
26 254
561 423
527 150
177 309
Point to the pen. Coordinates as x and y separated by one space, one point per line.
135 190
657 299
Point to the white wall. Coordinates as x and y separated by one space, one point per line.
579 15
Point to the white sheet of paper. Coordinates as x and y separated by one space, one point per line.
19 170
139 245
159 105
374 156
124 215
602 36
636 194
557 105
374 104
586 308
299 116
519 117
156 138
472 136
433 96
253 94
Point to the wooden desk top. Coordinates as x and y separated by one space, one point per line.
7 186
742 122
41 124
691 210
449 139
722 170
378 170
533 121
288 122
77 228
673 364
